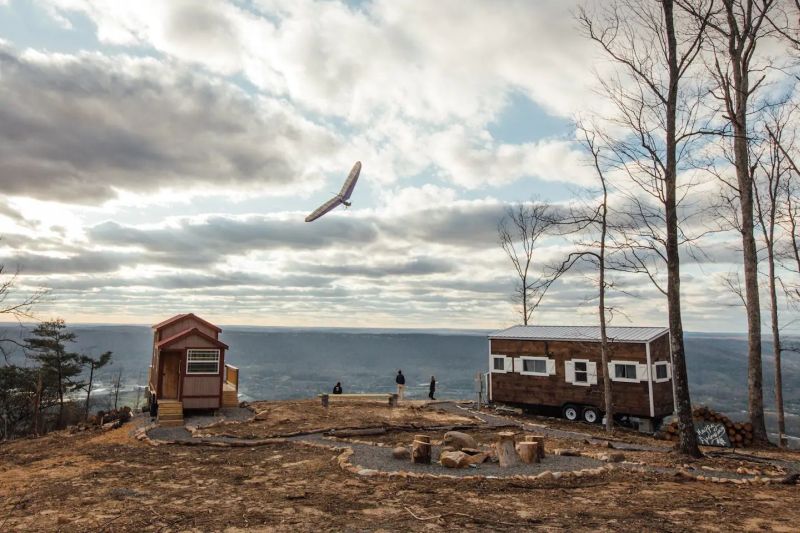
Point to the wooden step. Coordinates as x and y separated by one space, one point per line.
170 423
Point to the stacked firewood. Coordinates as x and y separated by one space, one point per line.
739 433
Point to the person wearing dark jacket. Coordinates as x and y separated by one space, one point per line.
401 384
153 407
433 388
337 389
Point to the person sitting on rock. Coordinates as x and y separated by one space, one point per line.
337 389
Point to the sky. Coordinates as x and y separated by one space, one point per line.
160 157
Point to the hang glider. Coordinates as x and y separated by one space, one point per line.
343 198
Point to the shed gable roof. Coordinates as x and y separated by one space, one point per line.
186 333
580 333
175 318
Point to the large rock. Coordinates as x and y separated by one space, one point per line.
458 440
401 452
612 457
454 459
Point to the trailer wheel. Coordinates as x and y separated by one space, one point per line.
590 415
570 412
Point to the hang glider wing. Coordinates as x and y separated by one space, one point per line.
350 182
330 205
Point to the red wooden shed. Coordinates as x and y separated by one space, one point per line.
188 369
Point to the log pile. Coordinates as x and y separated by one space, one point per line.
739 433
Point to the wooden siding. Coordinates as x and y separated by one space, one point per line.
200 385
662 392
554 391
183 324
192 341
201 403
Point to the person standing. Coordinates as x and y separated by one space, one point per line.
337 389
401 384
433 388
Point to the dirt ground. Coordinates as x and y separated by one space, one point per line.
111 482
279 418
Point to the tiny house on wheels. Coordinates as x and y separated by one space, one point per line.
188 369
559 367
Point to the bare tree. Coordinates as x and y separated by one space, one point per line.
519 231
16 306
771 178
93 364
659 117
592 248
735 31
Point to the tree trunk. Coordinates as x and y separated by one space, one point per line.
89 389
506 452
688 438
529 452
421 450
609 407
776 344
740 93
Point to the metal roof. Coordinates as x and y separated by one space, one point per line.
580 333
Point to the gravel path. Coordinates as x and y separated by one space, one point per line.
380 458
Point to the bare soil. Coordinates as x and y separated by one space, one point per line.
111 482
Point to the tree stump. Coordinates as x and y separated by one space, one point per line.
421 450
506 453
529 452
539 440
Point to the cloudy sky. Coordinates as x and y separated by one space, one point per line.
160 157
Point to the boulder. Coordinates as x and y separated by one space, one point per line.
458 440
612 457
402 453
454 459
478 458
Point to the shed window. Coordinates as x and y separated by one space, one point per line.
202 361
536 366
581 372
624 371
499 363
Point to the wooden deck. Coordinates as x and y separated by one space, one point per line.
230 395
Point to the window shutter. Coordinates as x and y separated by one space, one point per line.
509 364
612 374
569 370
669 371
641 372
551 367
591 369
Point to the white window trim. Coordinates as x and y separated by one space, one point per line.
507 362
612 371
188 353
547 366
655 374
588 382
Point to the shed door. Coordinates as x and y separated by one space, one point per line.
170 374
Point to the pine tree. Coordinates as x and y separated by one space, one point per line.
60 368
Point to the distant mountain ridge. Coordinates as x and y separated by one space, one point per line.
285 363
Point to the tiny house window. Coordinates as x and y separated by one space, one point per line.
661 370
534 366
202 361
581 372
625 371
499 363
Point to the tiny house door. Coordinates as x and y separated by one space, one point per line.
170 375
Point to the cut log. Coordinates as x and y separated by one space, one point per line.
506 453
529 452
539 440
421 450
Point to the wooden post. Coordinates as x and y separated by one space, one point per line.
539 440
421 450
506 453
393 400
529 452
324 398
